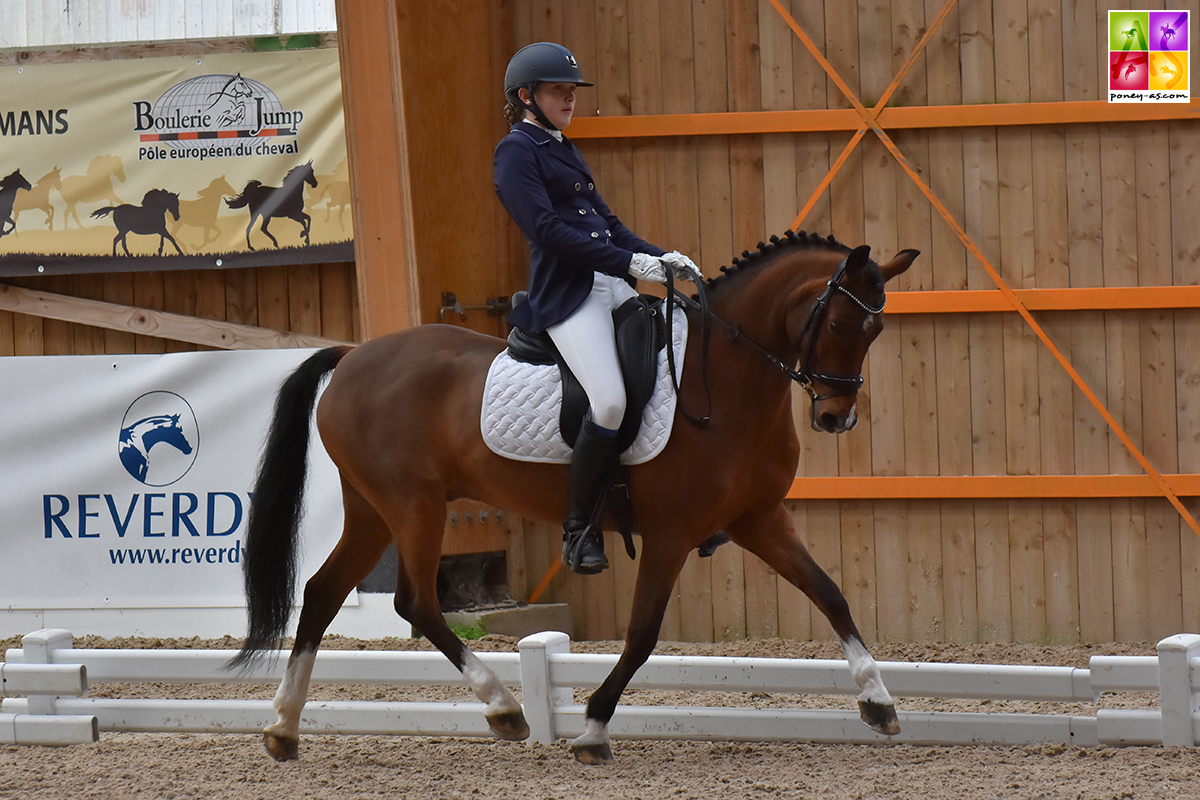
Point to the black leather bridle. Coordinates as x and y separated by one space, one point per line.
808 375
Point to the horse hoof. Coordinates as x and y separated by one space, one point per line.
879 718
510 726
592 755
282 748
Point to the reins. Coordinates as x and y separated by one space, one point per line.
806 377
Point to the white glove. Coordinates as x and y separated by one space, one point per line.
683 267
646 267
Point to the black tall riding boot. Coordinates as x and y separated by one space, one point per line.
592 462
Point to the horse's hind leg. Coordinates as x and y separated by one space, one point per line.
418 534
265 222
364 538
772 537
248 229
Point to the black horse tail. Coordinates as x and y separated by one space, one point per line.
243 199
270 554
103 212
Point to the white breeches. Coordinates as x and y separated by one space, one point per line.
589 347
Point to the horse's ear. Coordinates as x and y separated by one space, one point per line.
897 265
858 258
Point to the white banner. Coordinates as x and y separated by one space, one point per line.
127 479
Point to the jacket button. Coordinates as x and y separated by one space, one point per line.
608 232
583 211
595 235
578 187
591 186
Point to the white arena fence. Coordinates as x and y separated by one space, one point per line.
52 676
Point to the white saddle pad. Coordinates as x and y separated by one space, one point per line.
521 404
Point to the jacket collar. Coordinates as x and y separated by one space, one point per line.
564 151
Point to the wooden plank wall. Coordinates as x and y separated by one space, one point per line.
948 394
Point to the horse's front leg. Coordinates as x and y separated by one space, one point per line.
771 536
171 239
657 573
305 223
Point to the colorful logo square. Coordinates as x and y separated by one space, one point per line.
1148 56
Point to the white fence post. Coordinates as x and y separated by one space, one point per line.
539 697
1179 701
37 647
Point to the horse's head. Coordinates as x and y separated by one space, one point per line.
309 177
832 322
14 181
163 201
103 166
53 178
219 187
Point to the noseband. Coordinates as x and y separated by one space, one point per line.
842 385
808 375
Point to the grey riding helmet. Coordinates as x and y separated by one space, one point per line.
540 62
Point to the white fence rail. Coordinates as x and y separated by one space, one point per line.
547 673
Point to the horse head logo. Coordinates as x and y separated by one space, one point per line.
233 96
158 439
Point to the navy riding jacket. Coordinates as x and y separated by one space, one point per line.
548 190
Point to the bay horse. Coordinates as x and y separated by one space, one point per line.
400 419
277 201
148 219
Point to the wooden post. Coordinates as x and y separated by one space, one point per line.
368 34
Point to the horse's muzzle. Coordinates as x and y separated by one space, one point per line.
827 417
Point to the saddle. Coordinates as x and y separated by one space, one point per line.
641 334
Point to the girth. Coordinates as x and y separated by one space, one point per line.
640 333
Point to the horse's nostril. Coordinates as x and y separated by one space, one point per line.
828 422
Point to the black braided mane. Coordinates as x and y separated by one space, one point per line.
790 240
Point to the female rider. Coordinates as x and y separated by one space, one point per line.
583 265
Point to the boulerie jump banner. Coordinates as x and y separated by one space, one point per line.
191 162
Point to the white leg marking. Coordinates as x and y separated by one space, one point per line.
487 686
290 697
595 732
866 674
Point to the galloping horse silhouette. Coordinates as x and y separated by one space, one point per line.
277 201
9 186
147 219
202 213
400 419
138 439
39 197
94 187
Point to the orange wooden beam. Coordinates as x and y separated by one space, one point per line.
1106 298
847 119
973 487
